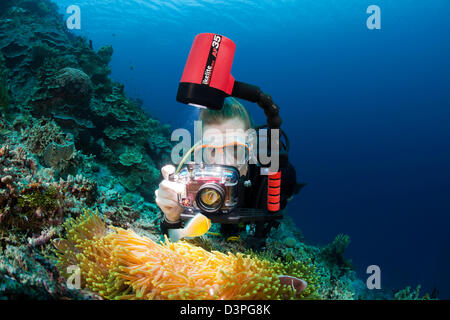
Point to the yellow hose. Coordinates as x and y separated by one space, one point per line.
183 160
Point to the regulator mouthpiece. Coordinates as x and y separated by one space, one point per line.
207 79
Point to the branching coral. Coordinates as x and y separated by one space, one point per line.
411 294
42 133
334 252
123 265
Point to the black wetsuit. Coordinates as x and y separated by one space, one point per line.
254 196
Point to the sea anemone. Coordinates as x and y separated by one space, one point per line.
119 264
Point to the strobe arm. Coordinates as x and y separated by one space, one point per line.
271 110
254 94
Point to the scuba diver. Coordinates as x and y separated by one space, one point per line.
218 189
233 116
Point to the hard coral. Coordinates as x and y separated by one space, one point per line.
123 265
83 189
131 181
56 155
130 157
30 198
52 73
24 275
42 133
105 53
411 294
36 204
73 86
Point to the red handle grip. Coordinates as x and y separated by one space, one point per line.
273 191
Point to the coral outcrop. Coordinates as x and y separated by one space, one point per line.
53 74
57 101
30 276
72 86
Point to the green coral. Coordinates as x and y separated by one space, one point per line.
151 175
4 98
36 207
40 52
131 182
105 53
333 254
130 157
115 133
409 294
41 133
45 199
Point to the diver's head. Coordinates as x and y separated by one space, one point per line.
232 110
225 138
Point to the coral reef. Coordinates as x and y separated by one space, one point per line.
73 86
54 154
27 199
53 74
411 294
29 275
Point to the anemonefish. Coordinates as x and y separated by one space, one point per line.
297 284
197 226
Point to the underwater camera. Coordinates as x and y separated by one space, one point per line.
215 191
208 188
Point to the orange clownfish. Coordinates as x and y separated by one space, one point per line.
197 226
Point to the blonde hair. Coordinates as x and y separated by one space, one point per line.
232 109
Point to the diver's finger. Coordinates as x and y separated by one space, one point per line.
163 194
167 170
157 194
167 194
170 185
166 204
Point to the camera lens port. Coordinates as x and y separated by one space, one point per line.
210 197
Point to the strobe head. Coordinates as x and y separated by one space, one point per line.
207 79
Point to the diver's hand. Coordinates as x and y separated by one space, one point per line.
167 195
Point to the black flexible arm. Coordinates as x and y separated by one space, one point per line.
254 94
271 110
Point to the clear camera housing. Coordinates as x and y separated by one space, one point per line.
208 188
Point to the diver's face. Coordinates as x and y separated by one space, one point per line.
227 140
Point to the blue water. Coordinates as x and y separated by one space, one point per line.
367 111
